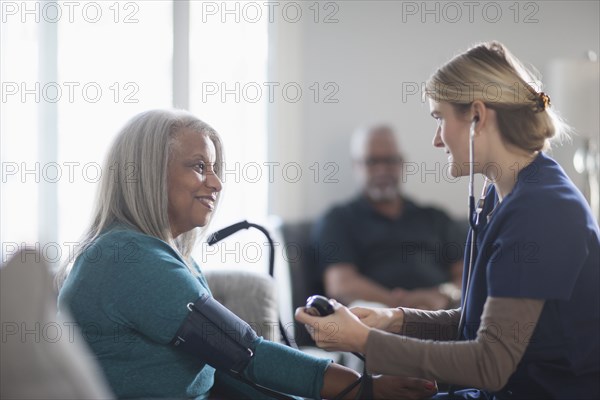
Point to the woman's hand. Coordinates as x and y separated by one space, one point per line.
337 378
386 319
340 331
396 387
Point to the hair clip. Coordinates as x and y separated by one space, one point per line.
543 101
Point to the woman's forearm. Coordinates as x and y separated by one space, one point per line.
338 378
284 369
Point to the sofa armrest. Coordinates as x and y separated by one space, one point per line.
250 296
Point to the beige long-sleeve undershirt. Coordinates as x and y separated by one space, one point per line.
486 362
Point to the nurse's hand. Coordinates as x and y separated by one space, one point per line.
340 331
386 319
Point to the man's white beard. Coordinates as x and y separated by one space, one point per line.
378 194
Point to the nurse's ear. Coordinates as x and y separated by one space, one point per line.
474 122
479 114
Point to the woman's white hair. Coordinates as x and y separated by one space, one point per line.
133 187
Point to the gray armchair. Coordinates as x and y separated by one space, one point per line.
42 355
250 296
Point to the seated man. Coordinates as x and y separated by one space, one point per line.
382 247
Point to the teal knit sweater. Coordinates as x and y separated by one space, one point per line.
128 294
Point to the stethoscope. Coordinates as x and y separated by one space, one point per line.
474 213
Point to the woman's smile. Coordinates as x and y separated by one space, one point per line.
207 201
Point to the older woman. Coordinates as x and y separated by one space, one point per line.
133 282
529 323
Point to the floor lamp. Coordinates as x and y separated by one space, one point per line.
575 91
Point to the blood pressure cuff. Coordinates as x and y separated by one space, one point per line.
216 335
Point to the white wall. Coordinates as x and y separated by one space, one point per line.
376 49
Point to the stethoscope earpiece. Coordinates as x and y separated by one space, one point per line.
473 123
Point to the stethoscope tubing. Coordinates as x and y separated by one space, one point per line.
474 214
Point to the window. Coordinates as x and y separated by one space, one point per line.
228 78
72 73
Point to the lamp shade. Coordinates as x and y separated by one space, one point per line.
574 90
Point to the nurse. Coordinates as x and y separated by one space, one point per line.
529 322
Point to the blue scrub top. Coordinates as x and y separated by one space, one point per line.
542 242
